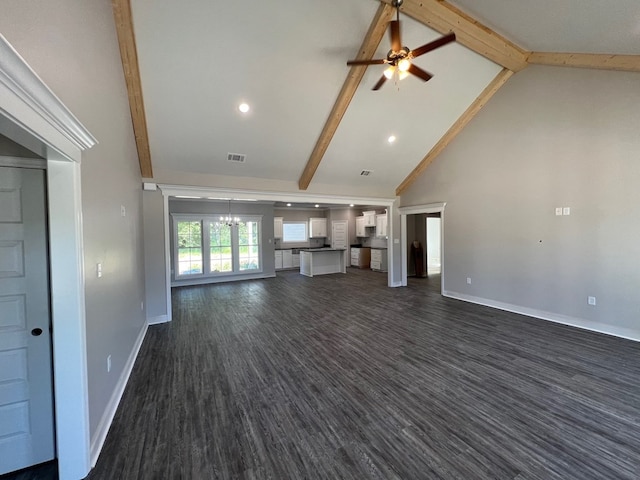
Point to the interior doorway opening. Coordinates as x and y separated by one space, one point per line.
434 247
422 245
424 260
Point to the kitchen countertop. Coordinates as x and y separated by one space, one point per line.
322 249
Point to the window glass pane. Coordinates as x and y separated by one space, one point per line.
189 247
220 247
294 232
249 245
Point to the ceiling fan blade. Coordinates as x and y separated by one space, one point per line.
378 61
394 31
418 72
380 83
450 37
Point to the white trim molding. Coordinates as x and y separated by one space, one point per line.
34 117
24 90
158 319
102 429
629 334
261 195
414 210
294 197
426 208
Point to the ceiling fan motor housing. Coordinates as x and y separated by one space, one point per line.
394 57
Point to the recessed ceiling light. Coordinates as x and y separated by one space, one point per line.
288 204
391 139
317 206
352 205
243 107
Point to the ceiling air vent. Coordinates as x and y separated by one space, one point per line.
236 157
364 173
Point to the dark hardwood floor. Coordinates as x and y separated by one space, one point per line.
340 377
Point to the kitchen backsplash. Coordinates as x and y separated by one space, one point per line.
374 242
312 243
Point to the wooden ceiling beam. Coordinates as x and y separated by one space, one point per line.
456 128
444 18
369 46
129 56
626 63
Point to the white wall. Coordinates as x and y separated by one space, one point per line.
154 257
72 45
551 137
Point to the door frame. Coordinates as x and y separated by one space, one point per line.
168 190
32 115
416 209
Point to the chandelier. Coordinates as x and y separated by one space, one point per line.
229 220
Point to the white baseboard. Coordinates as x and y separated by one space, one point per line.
628 333
158 319
110 412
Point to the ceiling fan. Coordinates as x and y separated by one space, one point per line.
399 57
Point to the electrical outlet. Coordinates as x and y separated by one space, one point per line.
468 280
566 210
123 211
142 306
108 363
558 211
591 300
99 270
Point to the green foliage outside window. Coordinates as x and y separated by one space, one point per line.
189 247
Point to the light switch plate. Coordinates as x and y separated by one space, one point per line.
558 211
566 210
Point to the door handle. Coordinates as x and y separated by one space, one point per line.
36 332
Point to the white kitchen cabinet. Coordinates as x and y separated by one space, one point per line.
317 228
361 230
287 259
277 227
360 257
381 225
278 256
379 259
369 218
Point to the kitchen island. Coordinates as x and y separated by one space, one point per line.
321 261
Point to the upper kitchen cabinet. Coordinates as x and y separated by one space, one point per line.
381 225
277 227
317 227
361 230
369 218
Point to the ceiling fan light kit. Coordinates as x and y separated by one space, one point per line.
399 58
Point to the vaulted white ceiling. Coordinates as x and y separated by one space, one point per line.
200 59
580 26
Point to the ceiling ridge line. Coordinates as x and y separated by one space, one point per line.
444 17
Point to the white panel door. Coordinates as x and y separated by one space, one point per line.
339 234
26 404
